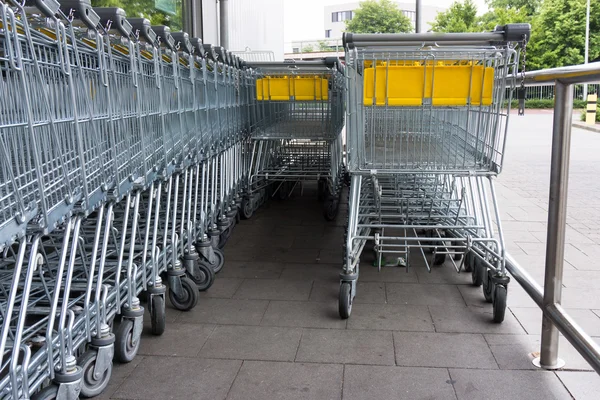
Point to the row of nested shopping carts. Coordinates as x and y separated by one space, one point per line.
128 153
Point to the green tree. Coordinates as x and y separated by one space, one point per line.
503 16
460 17
145 9
558 34
323 46
529 7
382 16
308 48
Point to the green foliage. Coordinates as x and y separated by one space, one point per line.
323 46
542 103
379 16
558 27
460 17
308 48
584 113
558 36
145 9
530 7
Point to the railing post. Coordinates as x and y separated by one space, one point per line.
557 219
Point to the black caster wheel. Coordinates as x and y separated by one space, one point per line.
468 264
158 316
476 273
439 259
283 191
223 238
90 385
321 190
499 304
126 346
47 393
488 285
217 265
345 300
246 210
204 277
188 299
330 208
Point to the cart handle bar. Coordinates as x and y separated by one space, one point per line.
503 34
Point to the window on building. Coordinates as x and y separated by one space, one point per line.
339 16
295 49
328 33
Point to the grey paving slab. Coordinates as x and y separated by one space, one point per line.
278 380
222 287
517 352
581 279
582 385
277 254
490 385
531 319
471 320
423 294
390 317
444 274
178 340
159 378
369 273
580 298
378 382
517 296
120 373
251 269
226 311
305 315
273 289
367 292
252 343
443 350
332 255
346 347
320 272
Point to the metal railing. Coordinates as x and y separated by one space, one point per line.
555 318
546 92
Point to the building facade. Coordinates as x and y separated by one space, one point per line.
336 16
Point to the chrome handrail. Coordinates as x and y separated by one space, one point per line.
555 318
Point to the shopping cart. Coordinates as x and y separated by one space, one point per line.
426 134
296 130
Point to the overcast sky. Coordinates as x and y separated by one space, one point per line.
303 19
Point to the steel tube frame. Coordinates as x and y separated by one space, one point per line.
555 318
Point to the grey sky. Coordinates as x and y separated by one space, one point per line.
303 19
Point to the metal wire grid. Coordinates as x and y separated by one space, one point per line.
428 137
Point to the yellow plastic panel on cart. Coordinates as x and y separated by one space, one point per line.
285 88
445 85
311 88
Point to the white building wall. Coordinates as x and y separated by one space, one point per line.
337 28
256 25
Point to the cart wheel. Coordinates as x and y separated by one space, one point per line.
223 238
499 304
205 275
345 300
488 285
157 316
439 259
189 297
330 208
468 265
458 256
219 261
90 386
321 190
126 346
47 393
476 273
246 208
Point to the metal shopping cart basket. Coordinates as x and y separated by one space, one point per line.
297 123
426 133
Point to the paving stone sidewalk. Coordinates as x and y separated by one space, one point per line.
269 327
